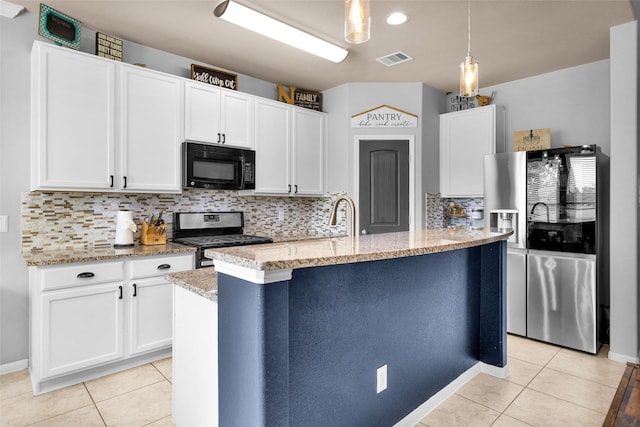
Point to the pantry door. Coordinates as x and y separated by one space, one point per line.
383 186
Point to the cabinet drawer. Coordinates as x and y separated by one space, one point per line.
160 266
66 276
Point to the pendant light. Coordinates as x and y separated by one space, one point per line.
469 67
357 21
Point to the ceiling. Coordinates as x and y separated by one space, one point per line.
511 39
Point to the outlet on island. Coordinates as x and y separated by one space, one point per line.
381 381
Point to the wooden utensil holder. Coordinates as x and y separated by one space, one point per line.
150 235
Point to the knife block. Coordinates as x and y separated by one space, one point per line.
150 235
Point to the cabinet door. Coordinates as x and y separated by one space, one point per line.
237 119
272 142
202 113
150 315
308 152
151 130
81 327
73 119
465 138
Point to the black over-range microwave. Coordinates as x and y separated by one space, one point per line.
217 167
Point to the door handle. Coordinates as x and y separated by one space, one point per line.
219 137
224 138
120 292
111 181
363 232
289 188
296 187
135 290
124 179
164 266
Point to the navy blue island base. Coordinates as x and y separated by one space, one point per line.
304 352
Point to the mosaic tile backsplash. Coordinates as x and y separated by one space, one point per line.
437 209
76 220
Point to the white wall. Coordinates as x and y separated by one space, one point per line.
16 39
573 103
625 329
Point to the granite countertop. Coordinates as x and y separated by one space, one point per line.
343 250
69 256
202 281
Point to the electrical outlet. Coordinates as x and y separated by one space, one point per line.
4 223
381 379
280 214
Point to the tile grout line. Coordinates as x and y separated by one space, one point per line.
95 405
546 366
526 387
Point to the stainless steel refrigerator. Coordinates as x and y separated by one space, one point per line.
556 201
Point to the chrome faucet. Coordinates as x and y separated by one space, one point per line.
351 214
543 204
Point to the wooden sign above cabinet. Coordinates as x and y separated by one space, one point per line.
214 77
300 97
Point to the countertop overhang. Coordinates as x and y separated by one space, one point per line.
70 256
344 250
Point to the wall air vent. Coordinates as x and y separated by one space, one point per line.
394 59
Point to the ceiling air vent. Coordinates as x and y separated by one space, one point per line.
394 58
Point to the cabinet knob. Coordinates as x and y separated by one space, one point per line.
111 181
120 292
219 137
164 266
224 138
289 188
124 180
296 189
135 290
85 275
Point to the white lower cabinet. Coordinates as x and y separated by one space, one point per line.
80 327
151 300
89 319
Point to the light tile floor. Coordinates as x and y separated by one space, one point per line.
547 386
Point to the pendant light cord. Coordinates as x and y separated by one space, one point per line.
469 28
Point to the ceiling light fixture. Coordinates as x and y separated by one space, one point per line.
357 21
469 67
262 24
396 18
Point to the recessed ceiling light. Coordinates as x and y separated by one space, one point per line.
396 18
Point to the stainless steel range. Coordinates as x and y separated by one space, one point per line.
206 230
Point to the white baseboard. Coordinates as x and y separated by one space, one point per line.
14 366
423 410
623 357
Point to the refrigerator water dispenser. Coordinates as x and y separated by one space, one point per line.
505 219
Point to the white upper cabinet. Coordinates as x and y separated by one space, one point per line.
273 147
465 137
309 130
102 125
151 129
289 143
217 115
73 116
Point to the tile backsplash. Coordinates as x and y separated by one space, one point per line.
73 220
437 208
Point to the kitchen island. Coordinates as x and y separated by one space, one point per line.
304 326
